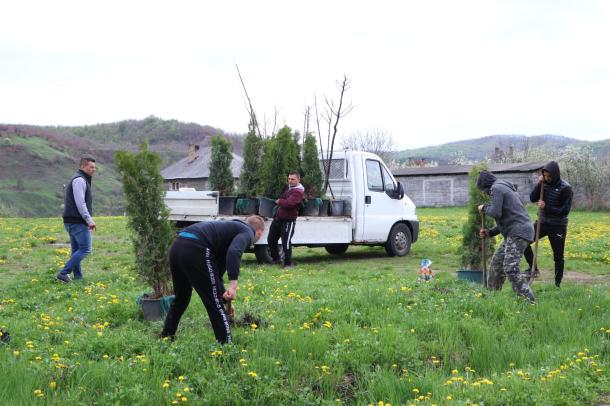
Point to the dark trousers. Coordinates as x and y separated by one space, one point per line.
557 238
193 266
283 229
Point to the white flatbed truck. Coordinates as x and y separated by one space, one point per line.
379 212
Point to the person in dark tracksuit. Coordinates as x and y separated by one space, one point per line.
285 219
199 257
513 222
554 209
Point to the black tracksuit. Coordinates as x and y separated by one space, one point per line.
199 258
554 217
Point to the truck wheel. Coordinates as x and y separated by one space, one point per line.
399 241
336 249
263 256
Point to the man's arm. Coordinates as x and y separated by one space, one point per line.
535 195
294 199
79 187
494 208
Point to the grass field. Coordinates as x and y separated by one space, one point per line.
352 329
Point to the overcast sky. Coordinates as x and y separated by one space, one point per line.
425 72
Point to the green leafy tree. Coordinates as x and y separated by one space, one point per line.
471 243
280 157
147 215
221 176
312 174
251 169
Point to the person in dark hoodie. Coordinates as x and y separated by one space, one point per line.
554 209
199 258
513 222
78 218
285 219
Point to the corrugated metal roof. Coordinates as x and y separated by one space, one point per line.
199 168
464 169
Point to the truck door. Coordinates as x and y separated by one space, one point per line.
380 210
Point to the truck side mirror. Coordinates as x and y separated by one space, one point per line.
399 191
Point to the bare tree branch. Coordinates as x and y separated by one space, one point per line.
253 119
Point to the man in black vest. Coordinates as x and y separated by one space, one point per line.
78 220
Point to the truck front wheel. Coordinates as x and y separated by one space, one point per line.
263 256
399 241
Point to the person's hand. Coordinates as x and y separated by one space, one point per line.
541 179
230 294
483 233
541 204
481 208
277 201
92 225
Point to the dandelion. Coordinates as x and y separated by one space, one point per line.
52 385
181 378
415 390
449 397
184 398
38 393
252 374
165 385
328 324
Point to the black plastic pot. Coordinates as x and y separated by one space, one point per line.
324 208
246 206
265 206
311 207
336 207
226 205
155 309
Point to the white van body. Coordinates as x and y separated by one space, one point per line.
380 214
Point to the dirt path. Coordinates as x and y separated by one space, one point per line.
573 276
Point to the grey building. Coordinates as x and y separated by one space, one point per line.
193 171
447 185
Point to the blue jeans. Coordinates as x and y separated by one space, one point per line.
80 241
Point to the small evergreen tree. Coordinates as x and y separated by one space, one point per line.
280 157
471 243
221 176
251 170
147 215
312 174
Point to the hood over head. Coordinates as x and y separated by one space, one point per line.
485 180
553 169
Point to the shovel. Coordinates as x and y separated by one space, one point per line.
533 269
483 253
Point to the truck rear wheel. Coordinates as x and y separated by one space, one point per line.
263 256
336 249
399 241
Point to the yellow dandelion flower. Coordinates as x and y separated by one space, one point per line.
181 378
252 374
52 384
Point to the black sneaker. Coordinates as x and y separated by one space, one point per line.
63 277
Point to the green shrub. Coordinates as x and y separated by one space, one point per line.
471 243
147 216
221 176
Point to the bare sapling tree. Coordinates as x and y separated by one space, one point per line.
377 141
332 114
253 120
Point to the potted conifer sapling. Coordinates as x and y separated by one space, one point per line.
152 233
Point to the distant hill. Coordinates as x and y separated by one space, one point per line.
36 161
481 148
